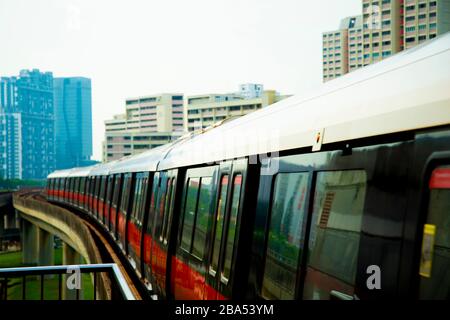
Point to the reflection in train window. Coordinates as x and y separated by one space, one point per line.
335 233
203 217
231 234
286 236
219 222
189 213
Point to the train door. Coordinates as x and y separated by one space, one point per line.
148 234
189 266
162 219
434 270
159 209
225 259
134 222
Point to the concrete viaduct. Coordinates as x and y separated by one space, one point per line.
41 221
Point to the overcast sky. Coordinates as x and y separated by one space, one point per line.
134 48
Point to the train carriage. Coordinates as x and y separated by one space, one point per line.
304 199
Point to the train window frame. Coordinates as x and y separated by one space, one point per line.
223 278
212 269
303 221
160 207
183 226
142 209
317 217
201 257
167 205
126 193
150 227
170 212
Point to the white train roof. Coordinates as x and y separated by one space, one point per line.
145 161
102 169
410 90
59 173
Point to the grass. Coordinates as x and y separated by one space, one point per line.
33 283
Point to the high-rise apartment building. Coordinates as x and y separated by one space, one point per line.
27 136
337 47
387 27
148 122
73 121
425 19
205 110
382 29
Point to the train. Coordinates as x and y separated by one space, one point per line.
341 193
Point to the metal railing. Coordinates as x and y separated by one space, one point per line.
119 287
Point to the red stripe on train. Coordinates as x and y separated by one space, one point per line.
188 284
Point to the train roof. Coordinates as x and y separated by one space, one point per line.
59 173
102 169
145 161
407 91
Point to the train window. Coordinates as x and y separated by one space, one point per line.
102 187
139 198
167 209
170 210
435 262
125 194
153 204
161 202
82 185
335 233
286 235
232 224
97 186
189 213
140 215
202 218
116 192
219 222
